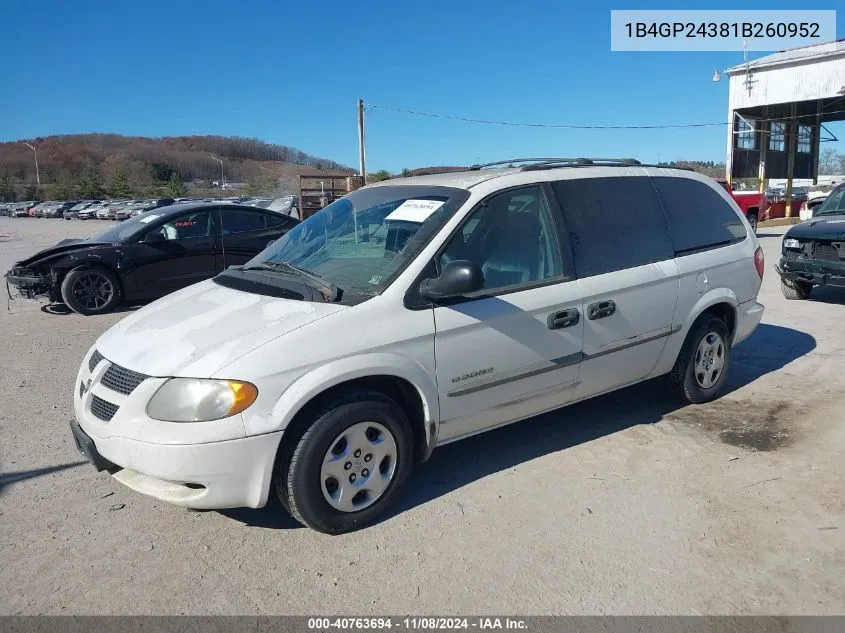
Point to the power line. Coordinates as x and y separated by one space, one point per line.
580 127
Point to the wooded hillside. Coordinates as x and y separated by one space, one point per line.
96 165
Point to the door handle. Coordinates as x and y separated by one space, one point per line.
564 318
601 309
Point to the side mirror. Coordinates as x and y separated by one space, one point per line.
154 237
458 278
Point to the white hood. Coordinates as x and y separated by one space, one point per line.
199 330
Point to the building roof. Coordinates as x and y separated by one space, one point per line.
816 52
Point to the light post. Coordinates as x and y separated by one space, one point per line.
222 179
37 175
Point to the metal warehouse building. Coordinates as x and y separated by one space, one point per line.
777 108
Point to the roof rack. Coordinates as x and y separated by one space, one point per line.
497 163
582 162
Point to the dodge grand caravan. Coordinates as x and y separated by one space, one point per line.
412 313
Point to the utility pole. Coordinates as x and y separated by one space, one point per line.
222 179
37 175
361 153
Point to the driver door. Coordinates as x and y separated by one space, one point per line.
514 350
177 253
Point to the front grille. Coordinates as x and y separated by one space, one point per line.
122 380
826 252
102 409
95 359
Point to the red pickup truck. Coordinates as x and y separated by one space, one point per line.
750 202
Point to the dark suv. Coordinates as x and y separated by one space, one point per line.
814 251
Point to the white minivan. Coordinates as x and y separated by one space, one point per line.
412 313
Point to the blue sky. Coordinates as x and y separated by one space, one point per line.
291 73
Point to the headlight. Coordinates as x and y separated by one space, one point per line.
790 243
199 400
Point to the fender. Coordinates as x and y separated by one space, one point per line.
324 376
109 258
711 298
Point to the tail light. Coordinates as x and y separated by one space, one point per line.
759 260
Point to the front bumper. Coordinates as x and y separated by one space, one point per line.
230 474
27 283
203 465
815 272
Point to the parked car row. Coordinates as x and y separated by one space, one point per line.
125 209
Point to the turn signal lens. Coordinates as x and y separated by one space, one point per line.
244 394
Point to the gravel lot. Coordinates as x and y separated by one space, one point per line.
626 504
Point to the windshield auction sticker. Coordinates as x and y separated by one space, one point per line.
720 30
414 210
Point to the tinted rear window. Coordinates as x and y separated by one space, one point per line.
699 218
614 223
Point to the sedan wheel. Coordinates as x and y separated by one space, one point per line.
90 290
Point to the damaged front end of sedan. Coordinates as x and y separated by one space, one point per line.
32 283
36 278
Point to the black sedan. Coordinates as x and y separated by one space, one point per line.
148 256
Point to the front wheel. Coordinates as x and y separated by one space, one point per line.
349 466
702 365
90 290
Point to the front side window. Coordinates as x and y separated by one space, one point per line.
197 224
777 136
614 223
512 237
745 137
361 242
805 139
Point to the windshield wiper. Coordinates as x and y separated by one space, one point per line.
334 293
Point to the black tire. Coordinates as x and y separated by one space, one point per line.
752 220
795 290
298 480
685 378
103 285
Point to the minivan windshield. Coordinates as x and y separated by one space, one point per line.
360 242
834 204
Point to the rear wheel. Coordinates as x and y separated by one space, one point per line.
795 290
702 365
752 220
349 466
90 290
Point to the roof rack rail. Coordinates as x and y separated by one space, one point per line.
684 167
583 162
478 166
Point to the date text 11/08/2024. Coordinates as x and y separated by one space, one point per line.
415 623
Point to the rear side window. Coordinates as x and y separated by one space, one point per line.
614 223
275 220
240 221
699 218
